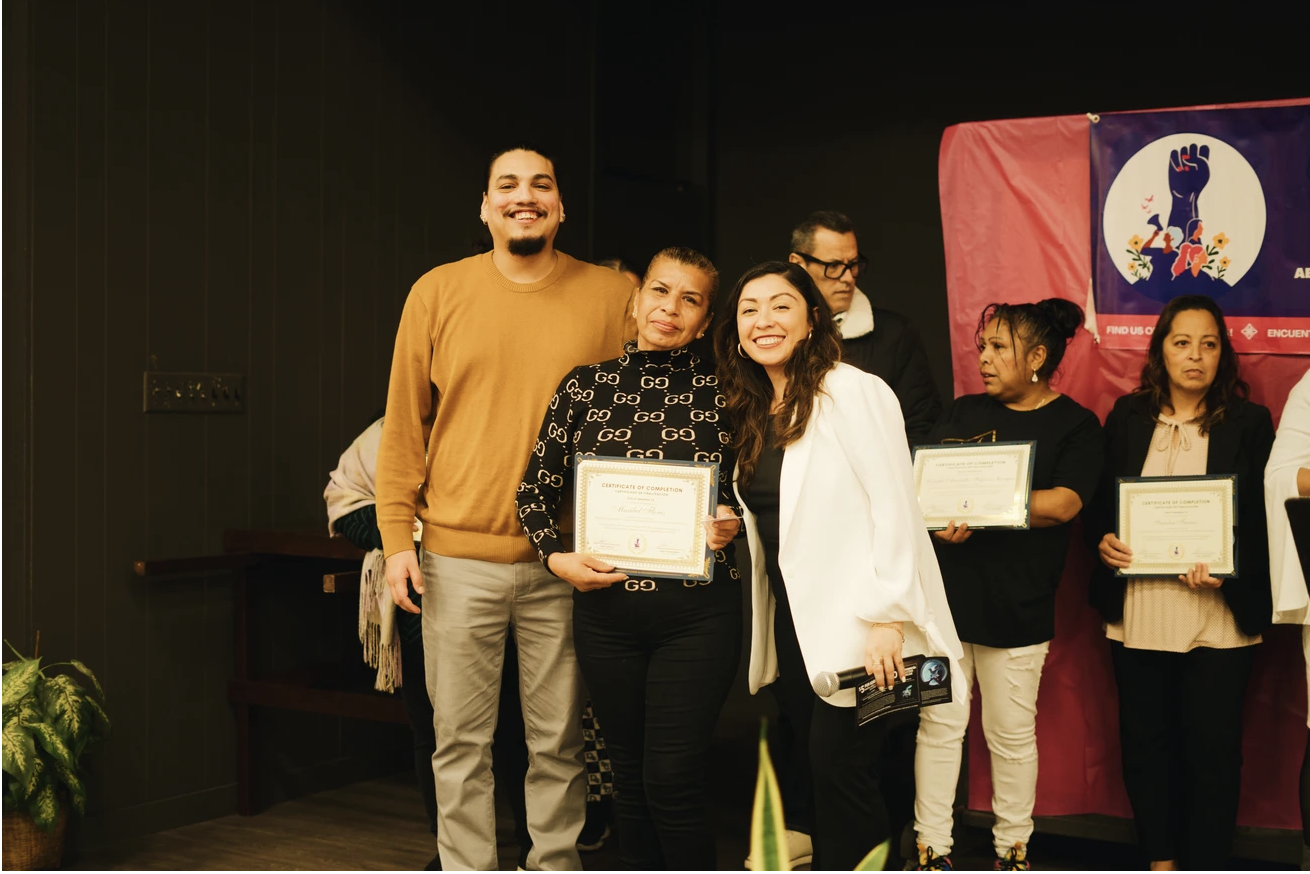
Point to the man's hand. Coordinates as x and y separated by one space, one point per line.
1199 577
1114 552
583 572
721 528
953 533
882 653
401 569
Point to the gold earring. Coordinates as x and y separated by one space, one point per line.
739 352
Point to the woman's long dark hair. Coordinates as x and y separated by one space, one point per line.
1226 392
746 386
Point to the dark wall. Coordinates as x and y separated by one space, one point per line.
846 115
239 186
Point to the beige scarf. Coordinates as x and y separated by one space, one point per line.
352 486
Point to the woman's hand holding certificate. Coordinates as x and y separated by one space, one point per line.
1175 525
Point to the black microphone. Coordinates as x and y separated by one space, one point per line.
826 683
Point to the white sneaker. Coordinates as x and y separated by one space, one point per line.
799 846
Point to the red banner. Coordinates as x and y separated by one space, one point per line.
1016 221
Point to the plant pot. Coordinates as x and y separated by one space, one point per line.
28 847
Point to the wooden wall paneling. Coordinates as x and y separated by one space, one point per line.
14 376
227 347
297 316
364 390
54 355
332 167
90 506
262 289
176 316
127 601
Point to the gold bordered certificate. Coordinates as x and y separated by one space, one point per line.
985 484
645 516
1173 522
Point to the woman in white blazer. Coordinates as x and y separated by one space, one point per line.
844 574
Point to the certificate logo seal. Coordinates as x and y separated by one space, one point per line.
966 504
1176 551
636 544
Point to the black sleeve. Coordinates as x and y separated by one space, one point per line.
942 428
360 527
1253 606
549 471
920 404
1082 455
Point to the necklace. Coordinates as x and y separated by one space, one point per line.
1044 400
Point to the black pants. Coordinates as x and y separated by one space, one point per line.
510 751
658 665
1180 729
832 765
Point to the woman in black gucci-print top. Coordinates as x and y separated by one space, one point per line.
658 655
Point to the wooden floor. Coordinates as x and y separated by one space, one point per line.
379 825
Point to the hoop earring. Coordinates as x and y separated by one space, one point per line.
739 352
1034 376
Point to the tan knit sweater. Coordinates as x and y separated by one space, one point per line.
477 360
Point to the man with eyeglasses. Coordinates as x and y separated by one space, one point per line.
875 340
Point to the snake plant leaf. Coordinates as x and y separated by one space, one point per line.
76 790
19 756
48 737
46 808
90 676
877 858
19 681
768 830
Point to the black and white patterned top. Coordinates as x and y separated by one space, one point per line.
655 404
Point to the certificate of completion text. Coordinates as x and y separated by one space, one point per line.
645 516
1173 523
986 485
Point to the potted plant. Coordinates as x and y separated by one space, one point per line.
49 720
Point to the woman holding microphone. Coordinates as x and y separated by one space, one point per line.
843 573
658 656
1182 646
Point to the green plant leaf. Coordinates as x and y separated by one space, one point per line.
98 714
66 704
76 789
19 756
90 676
877 858
51 741
18 682
45 808
768 829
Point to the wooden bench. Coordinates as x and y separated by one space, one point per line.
312 689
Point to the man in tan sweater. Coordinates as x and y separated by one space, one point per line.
482 346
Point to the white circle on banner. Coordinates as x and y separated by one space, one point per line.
1213 182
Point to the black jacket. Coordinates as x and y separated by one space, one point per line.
893 352
1239 445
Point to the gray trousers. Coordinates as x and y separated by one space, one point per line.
467 609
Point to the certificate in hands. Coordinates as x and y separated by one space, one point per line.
987 485
1173 522
645 516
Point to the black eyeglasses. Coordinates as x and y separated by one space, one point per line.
835 269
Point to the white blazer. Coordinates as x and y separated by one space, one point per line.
1290 453
853 547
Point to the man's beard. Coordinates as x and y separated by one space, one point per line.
525 247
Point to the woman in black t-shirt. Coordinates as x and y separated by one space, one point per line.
1001 583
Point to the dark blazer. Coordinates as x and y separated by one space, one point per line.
1239 444
894 353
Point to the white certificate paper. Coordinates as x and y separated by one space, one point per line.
645 516
985 484
1171 523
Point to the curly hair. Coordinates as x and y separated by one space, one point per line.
1051 323
745 384
1225 393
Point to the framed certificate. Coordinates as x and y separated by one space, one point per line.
1172 522
645 516
987 485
